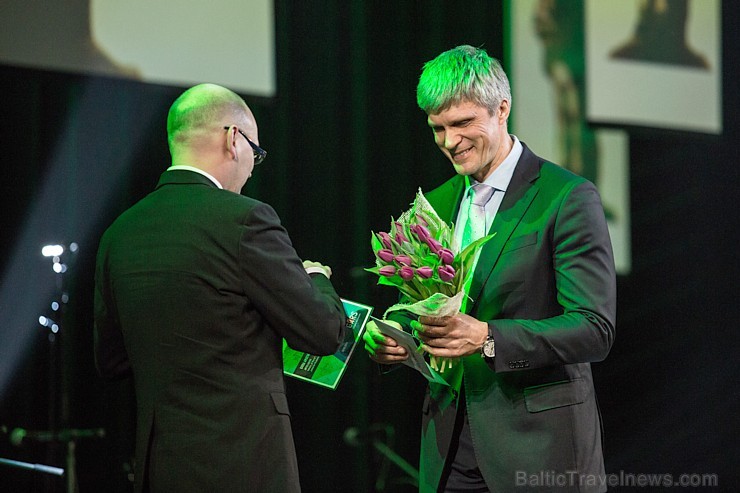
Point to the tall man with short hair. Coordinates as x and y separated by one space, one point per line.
543 302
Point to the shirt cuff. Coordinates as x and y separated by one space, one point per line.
316 270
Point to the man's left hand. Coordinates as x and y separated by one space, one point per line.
451 337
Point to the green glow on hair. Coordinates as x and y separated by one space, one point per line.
462 74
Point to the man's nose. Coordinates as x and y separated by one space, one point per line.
452 139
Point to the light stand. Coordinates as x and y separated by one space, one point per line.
59 378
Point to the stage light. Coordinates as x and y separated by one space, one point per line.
47 322
65 208
52 250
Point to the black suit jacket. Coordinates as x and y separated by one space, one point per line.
546 285
196 288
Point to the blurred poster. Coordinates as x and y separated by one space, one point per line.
547 70
655 63
172 42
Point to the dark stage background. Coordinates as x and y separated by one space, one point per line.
348 149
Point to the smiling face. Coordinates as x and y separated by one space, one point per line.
474 141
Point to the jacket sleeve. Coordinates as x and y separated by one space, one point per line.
585 292
111 359
304 310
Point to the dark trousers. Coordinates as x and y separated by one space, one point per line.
461 474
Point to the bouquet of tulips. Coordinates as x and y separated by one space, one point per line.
420 257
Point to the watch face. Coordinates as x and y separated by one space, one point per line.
489 350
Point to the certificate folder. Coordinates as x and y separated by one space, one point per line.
327 371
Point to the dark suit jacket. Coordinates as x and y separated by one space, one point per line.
196 288
546 285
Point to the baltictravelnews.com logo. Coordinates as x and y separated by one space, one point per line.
554 479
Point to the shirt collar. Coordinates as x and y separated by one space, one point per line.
195 170
501 176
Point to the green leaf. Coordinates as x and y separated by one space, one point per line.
410 292
408 248
395 281
470 250
375 242
431 260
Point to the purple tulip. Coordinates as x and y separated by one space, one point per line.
400 237
421 232
403 259
387 271
446 272
385 255
424 272
385 238
406 273
434 245
446 255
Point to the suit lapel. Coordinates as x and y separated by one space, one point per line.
519 195
446 198
517 200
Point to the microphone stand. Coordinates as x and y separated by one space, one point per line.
352 437
396 459
55 471
66 436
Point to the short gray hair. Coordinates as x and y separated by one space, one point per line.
462 74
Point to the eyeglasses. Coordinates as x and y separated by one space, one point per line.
259 153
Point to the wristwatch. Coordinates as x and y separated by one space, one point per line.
488 349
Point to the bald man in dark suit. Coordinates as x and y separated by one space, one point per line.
196 288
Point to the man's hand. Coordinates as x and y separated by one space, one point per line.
383 349
314 267
451 337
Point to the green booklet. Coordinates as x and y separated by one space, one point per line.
327 371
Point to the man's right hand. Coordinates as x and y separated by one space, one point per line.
315 267
381 348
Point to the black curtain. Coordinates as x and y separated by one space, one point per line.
348 148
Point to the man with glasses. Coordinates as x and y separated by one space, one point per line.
196 288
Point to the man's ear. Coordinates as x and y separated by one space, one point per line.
230 143
503 111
